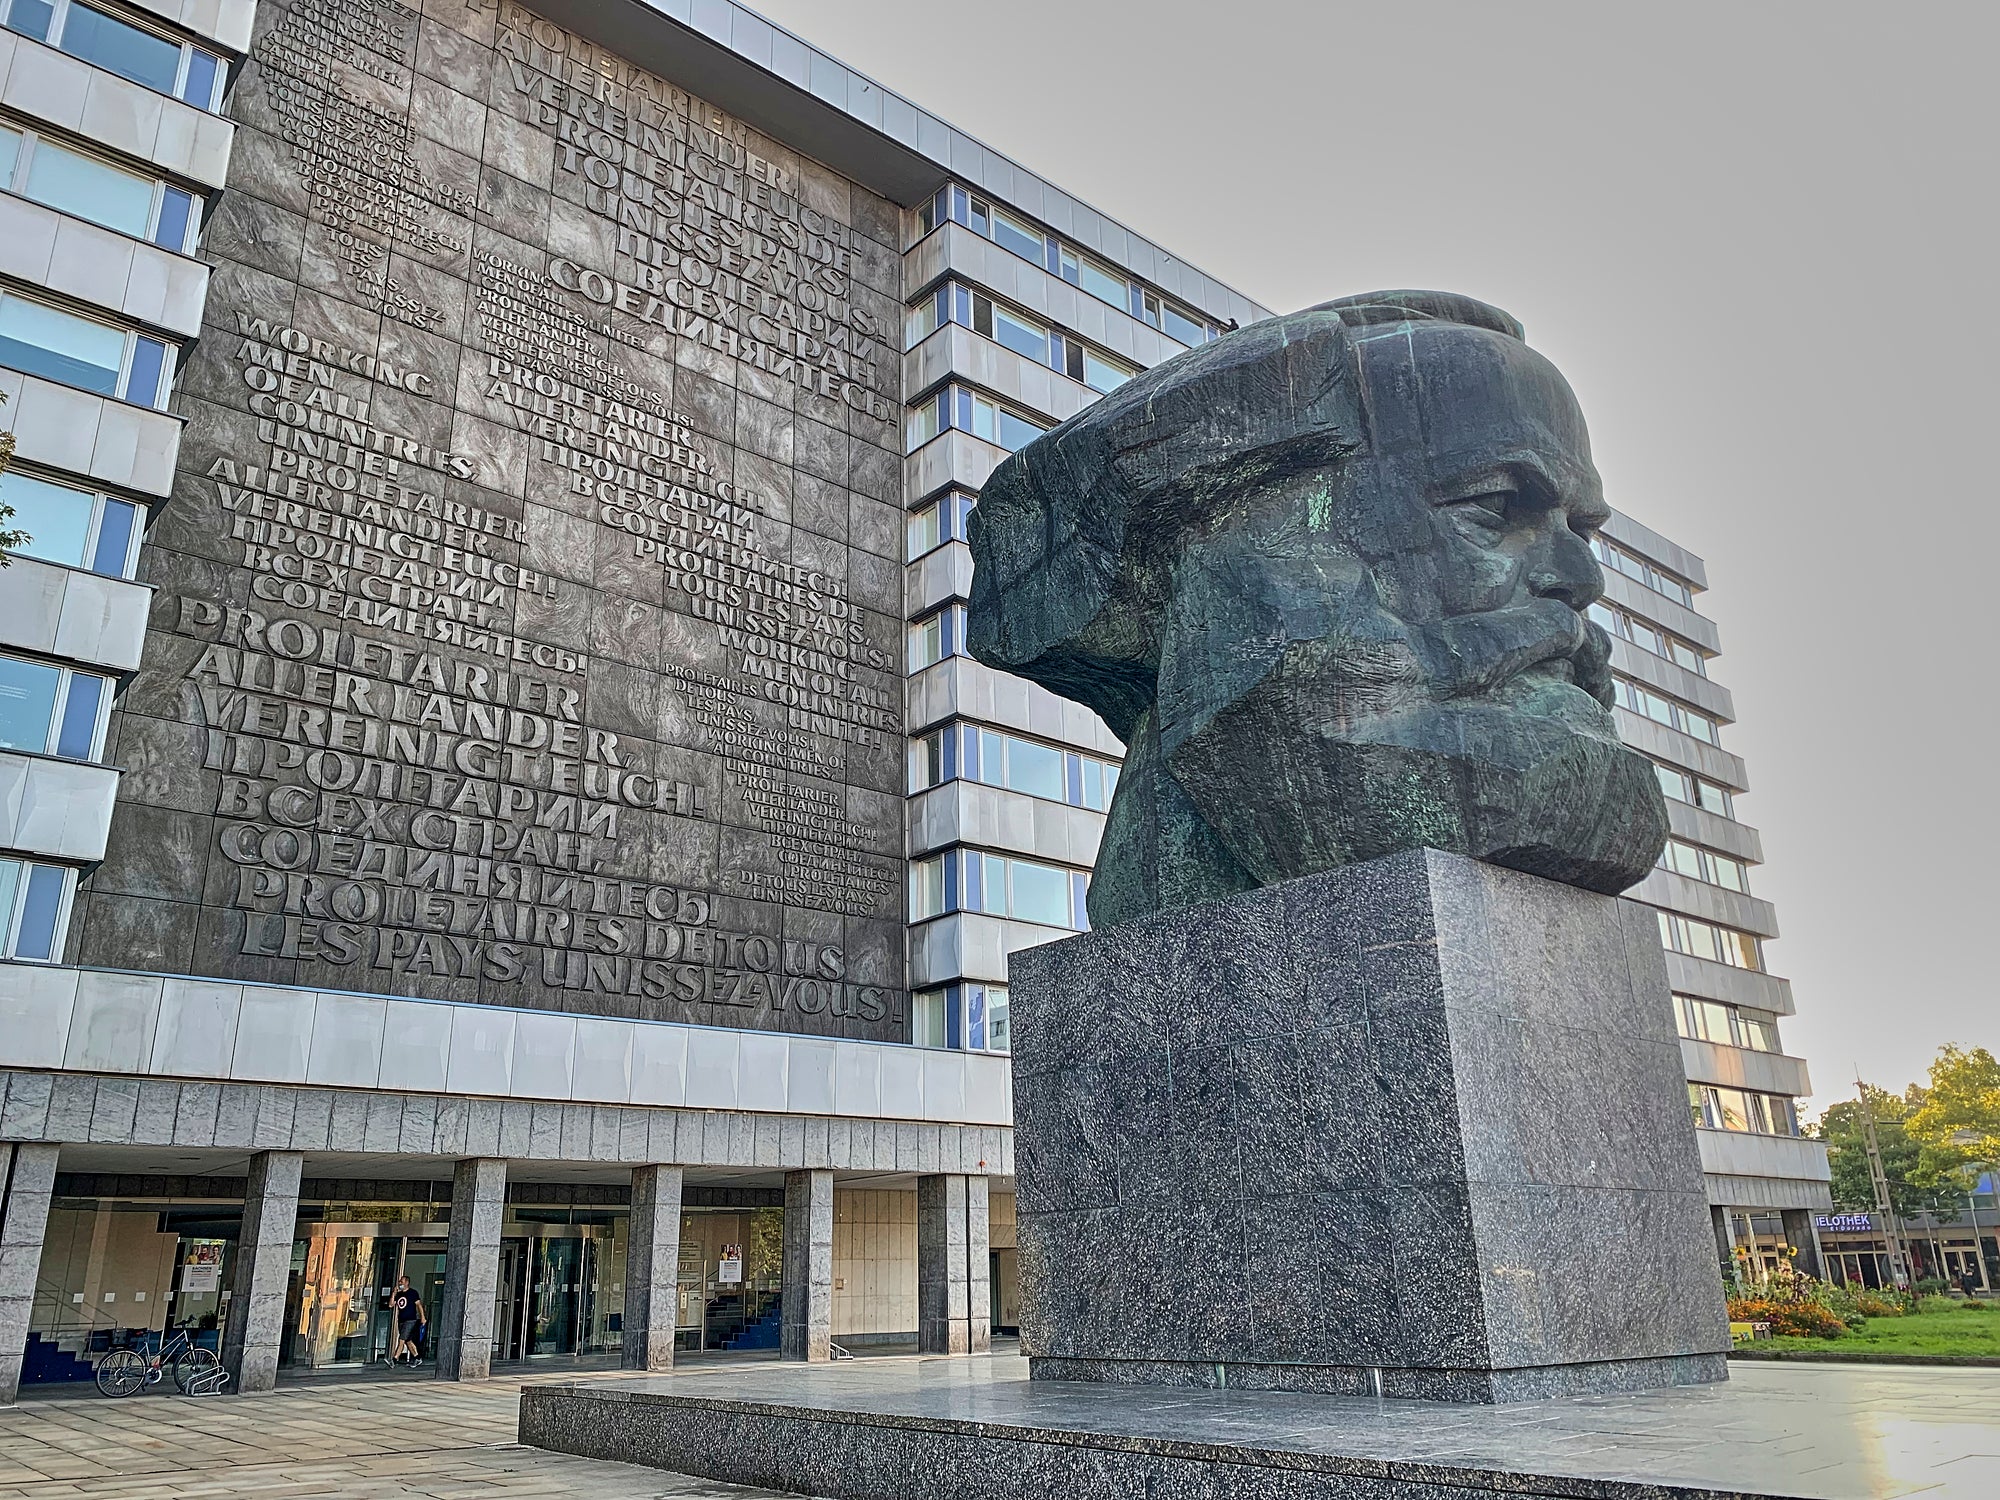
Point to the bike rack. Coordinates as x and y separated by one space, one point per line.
208 1383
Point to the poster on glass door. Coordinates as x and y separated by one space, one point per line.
731 1272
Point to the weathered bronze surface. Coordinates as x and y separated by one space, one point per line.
1326 576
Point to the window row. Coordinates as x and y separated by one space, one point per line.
1649 638
937 636
1741 1110
117 44
75 527
1668 711
982 416
1684 786
1705 865
1000 885
938 520
88 187
1712 1021
971 752
968 1017
46 710
1699 939
1639 570
1102 281
34 901
39 338
1026 336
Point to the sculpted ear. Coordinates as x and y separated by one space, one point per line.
1074 536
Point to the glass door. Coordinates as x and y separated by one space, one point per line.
558 1284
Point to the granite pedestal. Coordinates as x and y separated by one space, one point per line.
1416 1127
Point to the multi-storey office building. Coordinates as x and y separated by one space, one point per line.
471 835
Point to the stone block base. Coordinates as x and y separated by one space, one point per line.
1416 1127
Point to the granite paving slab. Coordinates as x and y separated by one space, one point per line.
978 1429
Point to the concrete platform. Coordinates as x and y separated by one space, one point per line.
978 1429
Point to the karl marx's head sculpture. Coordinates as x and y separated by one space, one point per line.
1326 577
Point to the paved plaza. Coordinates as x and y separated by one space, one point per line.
370 1440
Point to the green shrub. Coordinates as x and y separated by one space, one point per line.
1805 1320
1931 1286
1933 1302
1876 1305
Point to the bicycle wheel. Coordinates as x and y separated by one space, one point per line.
122 1372
191 1364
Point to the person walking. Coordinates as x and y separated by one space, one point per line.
412 1322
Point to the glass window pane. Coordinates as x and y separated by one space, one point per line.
1017 432
10 152
975 1016
1101 374
999 1034
927 1017
986 421
145 385
56 517
32 18
39 911
992 758
199 88
1714 798
77 739
926 888
1701 941
27 704
113 555
89 189
10 886
1020 336
921 531
1105 285
1734 1107
122 49
45 341
1035 769
1041 894
176 216
1180 326
1017 236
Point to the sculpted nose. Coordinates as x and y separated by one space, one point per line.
1563 568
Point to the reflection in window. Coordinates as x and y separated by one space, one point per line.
1000 885
1705 865
967 1016
48 710
1743 1111
996 758
1699 939
118 46
936 522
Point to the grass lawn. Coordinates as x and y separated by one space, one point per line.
1960 1333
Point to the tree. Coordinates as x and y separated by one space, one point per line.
10 537
1958 1122
1916 1184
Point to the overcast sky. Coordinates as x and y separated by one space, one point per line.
1758 238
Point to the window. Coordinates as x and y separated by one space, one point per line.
1000 885
934 638
968 1016
1712 1021
34 904
1742 1110
1699 939
1705 865
118 46
43 340
976 753
1649 638
1027 336
1639 570
47 710
981 416
72 526
936 522
1675 715
1684 787
988 220
88 187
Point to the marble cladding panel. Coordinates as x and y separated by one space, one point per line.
1325 1127
528 625
874 1261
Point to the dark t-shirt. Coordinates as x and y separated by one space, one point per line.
406 1305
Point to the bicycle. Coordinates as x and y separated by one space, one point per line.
127 1371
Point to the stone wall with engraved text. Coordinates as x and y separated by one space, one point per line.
529 612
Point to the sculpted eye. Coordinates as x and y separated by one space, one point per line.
1487 507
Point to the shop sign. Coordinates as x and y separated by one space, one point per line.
1846 1223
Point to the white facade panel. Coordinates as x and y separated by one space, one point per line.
53 88
54 610
1741 1068
58 808
94 436
1730 1153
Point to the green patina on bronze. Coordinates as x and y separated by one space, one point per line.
1325 576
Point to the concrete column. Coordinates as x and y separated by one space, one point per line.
652 1269
255 1323
1800 1234
807 1331
978 1266
27 1182
471 1270
943 1305
953 1311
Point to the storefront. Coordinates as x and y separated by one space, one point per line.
1966 1248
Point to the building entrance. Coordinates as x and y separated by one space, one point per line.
343 1276
550 1293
